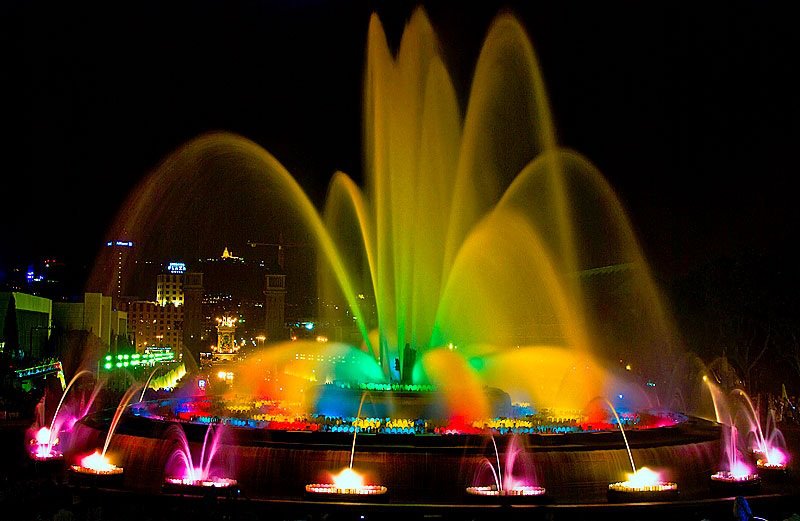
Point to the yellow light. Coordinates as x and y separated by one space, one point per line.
348 479
222 375
628 367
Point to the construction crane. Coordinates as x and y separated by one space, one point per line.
281 248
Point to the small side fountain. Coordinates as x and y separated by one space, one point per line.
643 484
766 446
46 442
97 465
507 486
347 484
196 478
738 478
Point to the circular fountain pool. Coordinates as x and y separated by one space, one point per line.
418 462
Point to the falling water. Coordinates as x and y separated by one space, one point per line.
61 401
499 475
624 437
355 429
147 382
117 415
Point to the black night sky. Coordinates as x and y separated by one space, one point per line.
691 112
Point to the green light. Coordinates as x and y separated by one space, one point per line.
125 357
135 356
108 357
119 364
119 357
107 366
125 364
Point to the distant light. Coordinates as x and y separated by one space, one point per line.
201 384
621 396
628 367
127 244
309 325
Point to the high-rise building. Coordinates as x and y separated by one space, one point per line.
115 263
193 338
169 285
154 325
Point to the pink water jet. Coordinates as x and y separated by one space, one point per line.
182 470
507 479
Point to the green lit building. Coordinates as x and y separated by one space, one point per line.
25 325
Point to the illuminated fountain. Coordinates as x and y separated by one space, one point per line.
185 475
348 483
643 484
97 464
45 443
737 477
768 448
481 267
507 481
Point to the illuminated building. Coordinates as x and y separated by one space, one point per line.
155 325
115 262
169 288
94 315
25 325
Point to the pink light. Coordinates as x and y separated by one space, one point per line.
776 457
740 470
43 436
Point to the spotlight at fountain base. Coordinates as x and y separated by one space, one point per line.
516 494
643 485
727 484
43 455
348 485
96 469
329 489
622 492
213 485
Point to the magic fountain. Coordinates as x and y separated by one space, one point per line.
492 278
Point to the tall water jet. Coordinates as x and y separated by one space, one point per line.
483 273
454 222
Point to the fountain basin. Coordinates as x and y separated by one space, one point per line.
724 483
432 468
